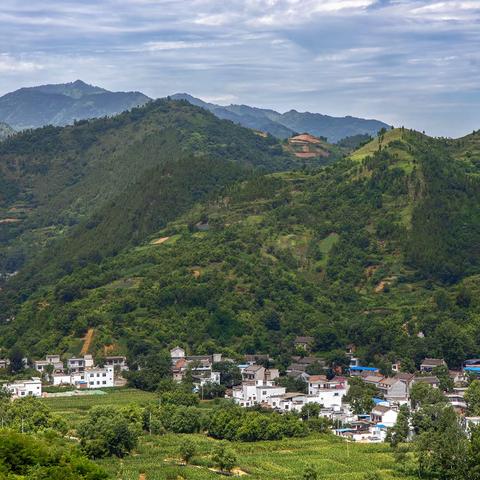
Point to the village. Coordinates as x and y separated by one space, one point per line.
261 386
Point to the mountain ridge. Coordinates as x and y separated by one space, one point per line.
63 104
283 125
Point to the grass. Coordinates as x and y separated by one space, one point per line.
157 457
371 147
326 246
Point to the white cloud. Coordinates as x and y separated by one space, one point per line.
8 64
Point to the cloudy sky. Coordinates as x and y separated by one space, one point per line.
407 62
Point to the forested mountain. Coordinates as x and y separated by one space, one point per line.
5 131
62 104
123 176
379 249
283 125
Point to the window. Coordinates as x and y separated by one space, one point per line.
104 382
104 375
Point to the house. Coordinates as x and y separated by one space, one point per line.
259 374
250 393
41 365
358 370
25 388
457 401
394 389
176 354
4 363
384 415
97 377
62 378
372 379
428 364
118 362
305 343
200 367
431 380
79 364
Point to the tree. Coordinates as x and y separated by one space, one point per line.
107 432
187 450
442 450
310 410
360 395
399 433
230 374
446 382
16 360
224 458
472 397
425 394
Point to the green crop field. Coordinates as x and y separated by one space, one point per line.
73 409
157 458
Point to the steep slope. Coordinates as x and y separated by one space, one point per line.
63 104
287 124
5 131
353 253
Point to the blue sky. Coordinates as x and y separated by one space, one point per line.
407 62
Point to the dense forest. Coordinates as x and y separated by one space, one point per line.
234 246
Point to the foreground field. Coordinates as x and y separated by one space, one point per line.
157 458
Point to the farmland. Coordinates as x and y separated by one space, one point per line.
157 458
157 455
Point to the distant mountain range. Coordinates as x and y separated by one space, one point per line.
283 125
62 104
5 131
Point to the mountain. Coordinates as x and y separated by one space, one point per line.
111 181
379 249
5 131
63 104
287 124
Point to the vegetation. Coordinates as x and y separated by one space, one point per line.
43 458
341 254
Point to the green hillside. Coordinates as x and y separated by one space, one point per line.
55 180
380 250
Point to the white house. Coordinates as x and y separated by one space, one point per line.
61 379
90 378
249 393
25 388
384 415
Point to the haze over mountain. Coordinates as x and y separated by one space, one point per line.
62 104
286 124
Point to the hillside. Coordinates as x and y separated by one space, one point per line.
56 180
380 251
62 104
5 131
292 122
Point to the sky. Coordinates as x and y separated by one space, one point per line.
407 62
